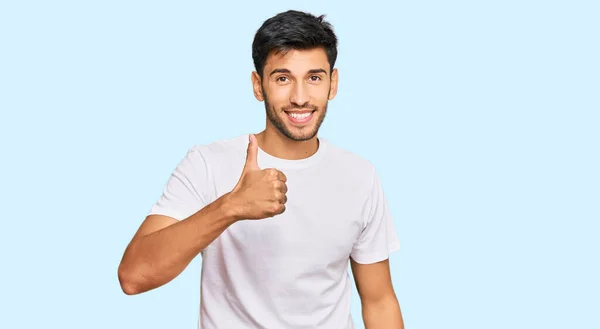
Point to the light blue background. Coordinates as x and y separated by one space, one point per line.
481 116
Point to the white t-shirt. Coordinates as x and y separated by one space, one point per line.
291 270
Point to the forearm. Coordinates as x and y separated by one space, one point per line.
155 259
382 314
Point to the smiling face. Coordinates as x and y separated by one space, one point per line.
296 88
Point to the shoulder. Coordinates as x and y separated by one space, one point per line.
351 160
221 148
203 158
351 165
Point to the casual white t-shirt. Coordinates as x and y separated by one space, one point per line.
291 270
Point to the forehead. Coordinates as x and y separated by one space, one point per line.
298 60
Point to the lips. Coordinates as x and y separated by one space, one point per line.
300 117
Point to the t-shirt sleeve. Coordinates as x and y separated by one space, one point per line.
378 237
183 196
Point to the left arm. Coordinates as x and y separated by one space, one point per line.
380 307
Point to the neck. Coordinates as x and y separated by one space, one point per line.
278 145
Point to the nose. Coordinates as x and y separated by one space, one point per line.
299 96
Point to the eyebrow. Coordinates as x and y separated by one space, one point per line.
313 71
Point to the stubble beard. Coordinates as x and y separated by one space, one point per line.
279 122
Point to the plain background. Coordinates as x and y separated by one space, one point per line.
481 116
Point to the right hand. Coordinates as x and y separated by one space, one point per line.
259 193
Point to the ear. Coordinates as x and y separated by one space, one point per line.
257 86
333 87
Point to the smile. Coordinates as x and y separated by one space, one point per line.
300 117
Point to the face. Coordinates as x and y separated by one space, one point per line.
296 88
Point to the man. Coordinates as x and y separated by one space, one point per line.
278 215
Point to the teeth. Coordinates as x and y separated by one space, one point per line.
300 116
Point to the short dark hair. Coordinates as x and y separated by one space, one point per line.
293 30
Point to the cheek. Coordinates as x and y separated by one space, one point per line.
319 92
278 95
320 97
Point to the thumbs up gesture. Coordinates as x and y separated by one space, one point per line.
259 193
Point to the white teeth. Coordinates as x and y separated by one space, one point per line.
300 116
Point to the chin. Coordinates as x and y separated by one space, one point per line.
299 133
302 137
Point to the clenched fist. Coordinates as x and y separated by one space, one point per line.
259 193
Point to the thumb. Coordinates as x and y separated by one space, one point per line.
252 156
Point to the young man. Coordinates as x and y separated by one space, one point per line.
278 215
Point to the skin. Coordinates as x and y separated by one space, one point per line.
296 81
163 247
300 80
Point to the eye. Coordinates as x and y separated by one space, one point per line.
282 78
315 78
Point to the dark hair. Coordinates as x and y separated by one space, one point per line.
293 30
